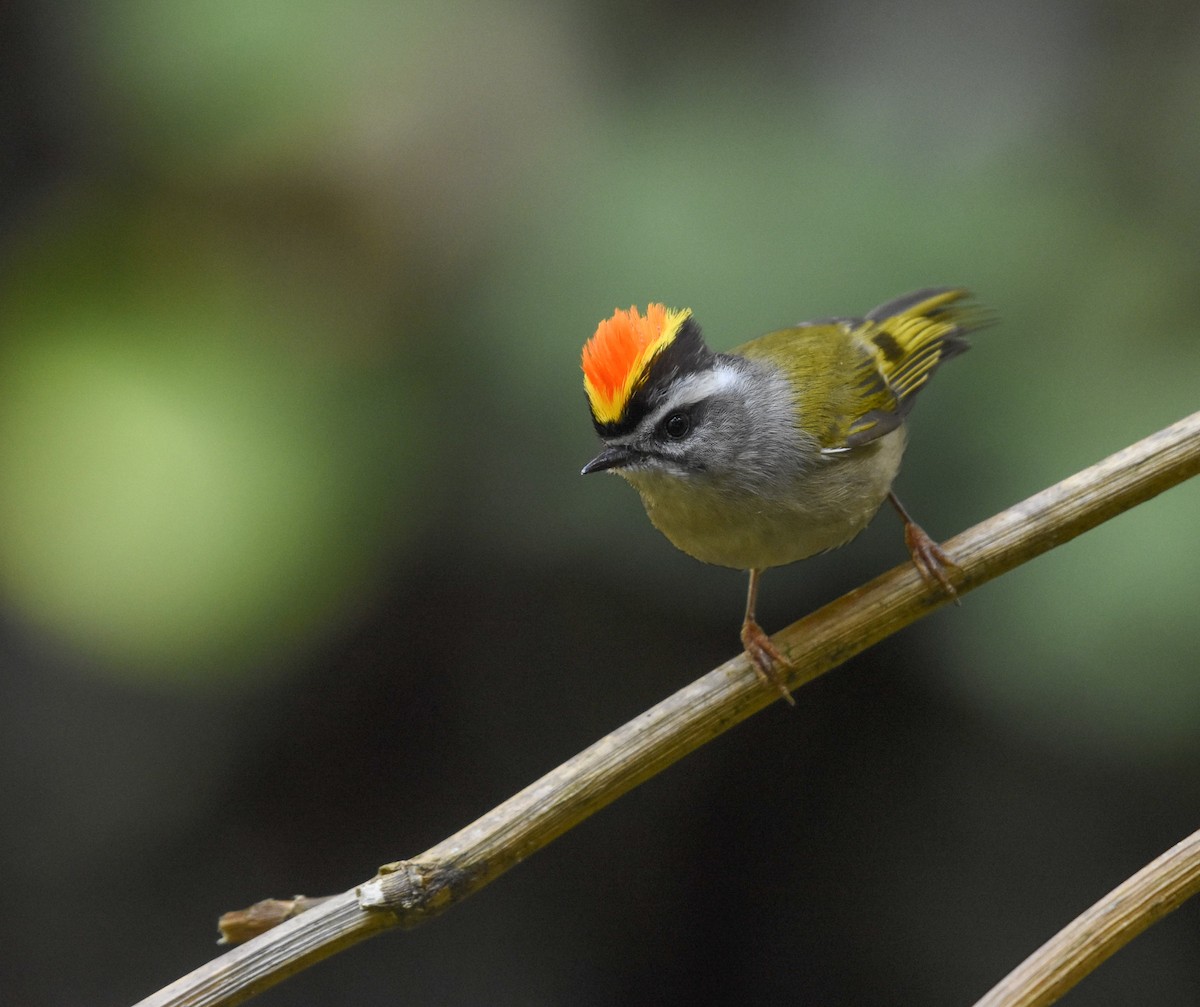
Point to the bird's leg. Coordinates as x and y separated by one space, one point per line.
762 652
930 559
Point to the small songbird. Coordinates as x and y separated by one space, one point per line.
779 449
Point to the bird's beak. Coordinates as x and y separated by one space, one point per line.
612 457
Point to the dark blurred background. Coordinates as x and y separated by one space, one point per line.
298 575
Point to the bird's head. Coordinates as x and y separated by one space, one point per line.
661 400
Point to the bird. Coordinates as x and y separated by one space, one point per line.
779 449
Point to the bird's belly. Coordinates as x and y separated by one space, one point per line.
773 533
823 509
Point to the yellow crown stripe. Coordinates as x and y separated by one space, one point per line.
617 358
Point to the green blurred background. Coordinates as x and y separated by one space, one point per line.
298 576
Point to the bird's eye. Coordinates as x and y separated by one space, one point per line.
677 425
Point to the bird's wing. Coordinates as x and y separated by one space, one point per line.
855 378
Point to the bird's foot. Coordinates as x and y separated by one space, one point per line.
933 563
765 656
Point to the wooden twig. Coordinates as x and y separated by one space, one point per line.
1158 888
239 925
410 891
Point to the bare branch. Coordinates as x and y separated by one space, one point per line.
240 925
408 892
1158 888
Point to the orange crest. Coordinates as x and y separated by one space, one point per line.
617 357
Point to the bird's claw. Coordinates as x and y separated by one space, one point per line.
765 657
933 563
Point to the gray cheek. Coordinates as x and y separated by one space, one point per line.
728 438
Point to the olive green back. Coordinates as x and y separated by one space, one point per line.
855 378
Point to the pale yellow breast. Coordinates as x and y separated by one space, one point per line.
824 508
